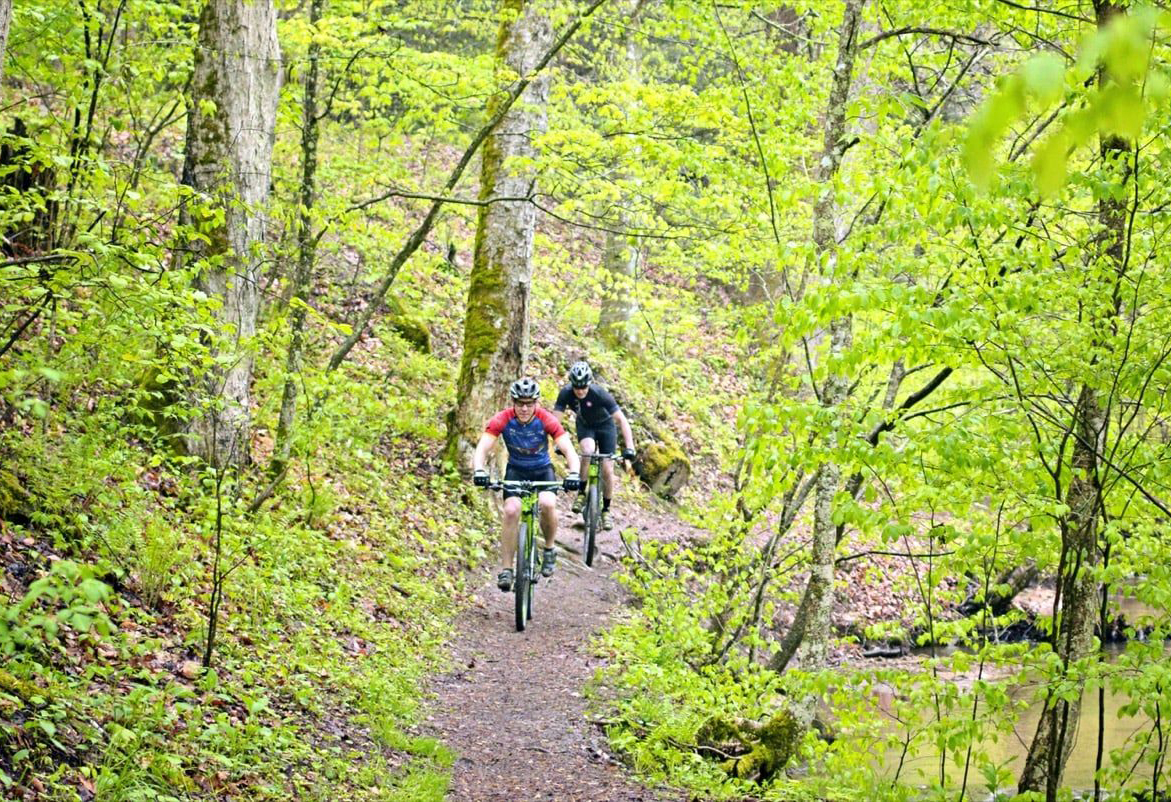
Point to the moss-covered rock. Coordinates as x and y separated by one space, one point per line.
664 467
716 731
756 751
780 738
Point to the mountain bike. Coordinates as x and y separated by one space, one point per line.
592 511
527 570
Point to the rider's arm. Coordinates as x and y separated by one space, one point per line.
566 447
624 425
480 457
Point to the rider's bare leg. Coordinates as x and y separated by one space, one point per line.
548 505
508 532
607 478
587 447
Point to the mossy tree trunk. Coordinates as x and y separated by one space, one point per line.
496 328
230 128
1079 589
817 605
306 244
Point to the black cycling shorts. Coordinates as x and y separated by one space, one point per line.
514 474
605 435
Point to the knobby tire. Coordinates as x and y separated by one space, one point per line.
592 520
521 583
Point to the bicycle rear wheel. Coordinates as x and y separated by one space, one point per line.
522 588
592 520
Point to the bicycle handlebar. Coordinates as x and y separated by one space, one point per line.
524 486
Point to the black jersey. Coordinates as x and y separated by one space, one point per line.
596 408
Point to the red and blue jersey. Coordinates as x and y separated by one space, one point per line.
527 443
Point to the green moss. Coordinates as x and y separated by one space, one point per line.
487 308
408 326
156 407
773 746
23 690
13 497
780 738
717 730
664 467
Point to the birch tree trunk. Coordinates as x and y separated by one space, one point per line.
813 624
620 257
306 245
230 129
1078 585
5 22
496 327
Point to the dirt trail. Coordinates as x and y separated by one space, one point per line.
512 707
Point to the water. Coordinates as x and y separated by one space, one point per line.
1010 751
922 767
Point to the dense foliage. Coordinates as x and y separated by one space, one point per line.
936 335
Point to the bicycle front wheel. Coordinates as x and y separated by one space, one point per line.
522 587
533 568
592 521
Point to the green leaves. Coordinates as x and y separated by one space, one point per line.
1111 89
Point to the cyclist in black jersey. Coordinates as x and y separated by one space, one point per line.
596 413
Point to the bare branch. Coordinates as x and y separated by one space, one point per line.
915 29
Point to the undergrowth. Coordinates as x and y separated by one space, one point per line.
338 595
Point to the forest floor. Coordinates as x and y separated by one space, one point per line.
512 706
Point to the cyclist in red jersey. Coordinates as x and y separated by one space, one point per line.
526 428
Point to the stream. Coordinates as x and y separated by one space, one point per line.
922 767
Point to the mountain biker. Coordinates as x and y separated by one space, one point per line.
595 412
526 428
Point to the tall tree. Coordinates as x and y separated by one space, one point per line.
5 21
813 620
306 241
230 130
1079 585
620 255
496 328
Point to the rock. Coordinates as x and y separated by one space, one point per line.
664 468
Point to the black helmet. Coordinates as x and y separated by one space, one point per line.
580 374
525 388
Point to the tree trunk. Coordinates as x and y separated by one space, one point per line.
1016 578
818 605
5 22
496 327
1077 600
1078 587
306 246
616 325
230 128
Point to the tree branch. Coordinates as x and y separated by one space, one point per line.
420 233
913 29
1052 11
